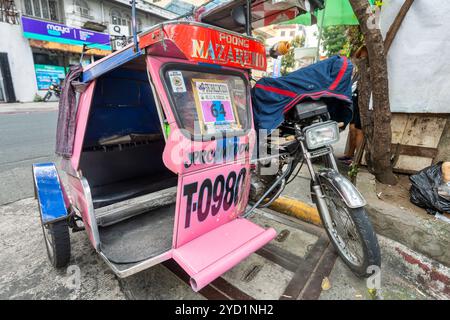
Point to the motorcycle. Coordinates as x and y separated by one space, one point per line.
305 127
308 134
53 89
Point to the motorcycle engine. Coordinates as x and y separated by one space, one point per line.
257 187
259 183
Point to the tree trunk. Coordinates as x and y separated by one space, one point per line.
364 91
380 144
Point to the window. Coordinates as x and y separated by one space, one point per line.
81 7
44 9
283 33
139 26
208 103
28 7
120 19
292 33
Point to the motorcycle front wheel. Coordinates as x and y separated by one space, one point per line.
47 96
351 233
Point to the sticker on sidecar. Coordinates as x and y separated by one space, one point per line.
177 81
213 196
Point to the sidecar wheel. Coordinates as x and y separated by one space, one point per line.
57 242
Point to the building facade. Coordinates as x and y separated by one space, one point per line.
41 38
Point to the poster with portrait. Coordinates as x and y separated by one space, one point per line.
214 106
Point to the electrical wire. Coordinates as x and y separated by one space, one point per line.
296 174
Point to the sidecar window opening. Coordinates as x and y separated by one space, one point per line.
124 142
204 116
123 105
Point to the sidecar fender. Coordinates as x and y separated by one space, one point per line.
351 196
49 193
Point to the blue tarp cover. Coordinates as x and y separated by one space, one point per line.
328 80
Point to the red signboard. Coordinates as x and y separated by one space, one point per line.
201 43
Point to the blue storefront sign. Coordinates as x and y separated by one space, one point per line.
47 74
55 32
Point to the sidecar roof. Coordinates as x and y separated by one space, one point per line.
110 62
193 41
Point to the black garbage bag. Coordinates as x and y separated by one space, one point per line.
424 190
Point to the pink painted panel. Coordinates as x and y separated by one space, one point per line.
84 106
181 154
81 203
154 65
210 198
203 202
210 255
184 156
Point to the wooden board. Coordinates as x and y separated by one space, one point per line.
423 131
398 125
417 138
411 164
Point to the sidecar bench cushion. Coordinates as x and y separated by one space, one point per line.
127 189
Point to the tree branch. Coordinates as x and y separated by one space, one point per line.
395 26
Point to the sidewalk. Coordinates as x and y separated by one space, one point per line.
12 108
395 217
391 213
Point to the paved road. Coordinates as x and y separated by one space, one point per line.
25 138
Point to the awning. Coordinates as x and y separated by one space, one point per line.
66 47
264 12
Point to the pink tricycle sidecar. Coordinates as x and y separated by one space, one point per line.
160 164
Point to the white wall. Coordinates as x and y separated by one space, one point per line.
419 71
20 61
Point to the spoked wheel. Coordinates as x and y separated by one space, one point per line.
57 241
47 96
351 233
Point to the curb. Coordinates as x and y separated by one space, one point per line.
35 110
429 238
298 209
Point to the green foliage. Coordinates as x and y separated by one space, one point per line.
341 40
353 171
334 39
38 98
288 60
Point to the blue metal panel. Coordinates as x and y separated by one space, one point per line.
210 65
49 192
123 103
110 63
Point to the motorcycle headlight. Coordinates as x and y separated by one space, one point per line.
52 87
321 134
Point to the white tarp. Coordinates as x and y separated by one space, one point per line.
419 58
